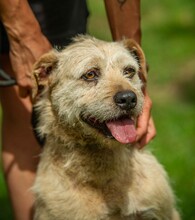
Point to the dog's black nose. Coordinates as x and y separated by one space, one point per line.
126 100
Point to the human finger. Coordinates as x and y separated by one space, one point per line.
143 119
150 134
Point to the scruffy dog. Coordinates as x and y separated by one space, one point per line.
88 97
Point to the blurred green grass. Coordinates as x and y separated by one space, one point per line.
168 29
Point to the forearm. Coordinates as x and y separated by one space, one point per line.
26 41
18 19
124 18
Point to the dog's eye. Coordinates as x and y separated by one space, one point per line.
129 72
91 75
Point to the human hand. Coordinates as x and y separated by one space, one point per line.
27 43
146 130
23 54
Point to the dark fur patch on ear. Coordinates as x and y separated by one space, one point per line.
45 72
34 121
41 71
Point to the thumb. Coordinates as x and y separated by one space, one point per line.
24 92
25 86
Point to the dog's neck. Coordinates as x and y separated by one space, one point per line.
98 165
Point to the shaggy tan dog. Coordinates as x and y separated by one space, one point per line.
88 97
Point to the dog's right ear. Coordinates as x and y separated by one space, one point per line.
41 71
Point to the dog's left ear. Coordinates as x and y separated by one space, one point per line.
41 71
138 53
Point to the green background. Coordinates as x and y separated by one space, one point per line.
168 39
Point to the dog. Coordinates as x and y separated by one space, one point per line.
87 98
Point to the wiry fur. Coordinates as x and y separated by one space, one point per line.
82 174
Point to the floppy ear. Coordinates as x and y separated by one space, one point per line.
138 53
41 71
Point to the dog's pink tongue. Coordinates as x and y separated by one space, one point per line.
123 130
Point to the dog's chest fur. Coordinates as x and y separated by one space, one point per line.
99 183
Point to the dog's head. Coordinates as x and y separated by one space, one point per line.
91 88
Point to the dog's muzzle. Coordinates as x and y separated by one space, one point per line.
121 128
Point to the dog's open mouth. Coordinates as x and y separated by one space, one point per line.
122 129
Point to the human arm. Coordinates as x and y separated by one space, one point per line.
27 43
124 20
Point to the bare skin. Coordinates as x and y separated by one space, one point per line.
20 149
27 43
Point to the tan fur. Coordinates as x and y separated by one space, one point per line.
82 174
